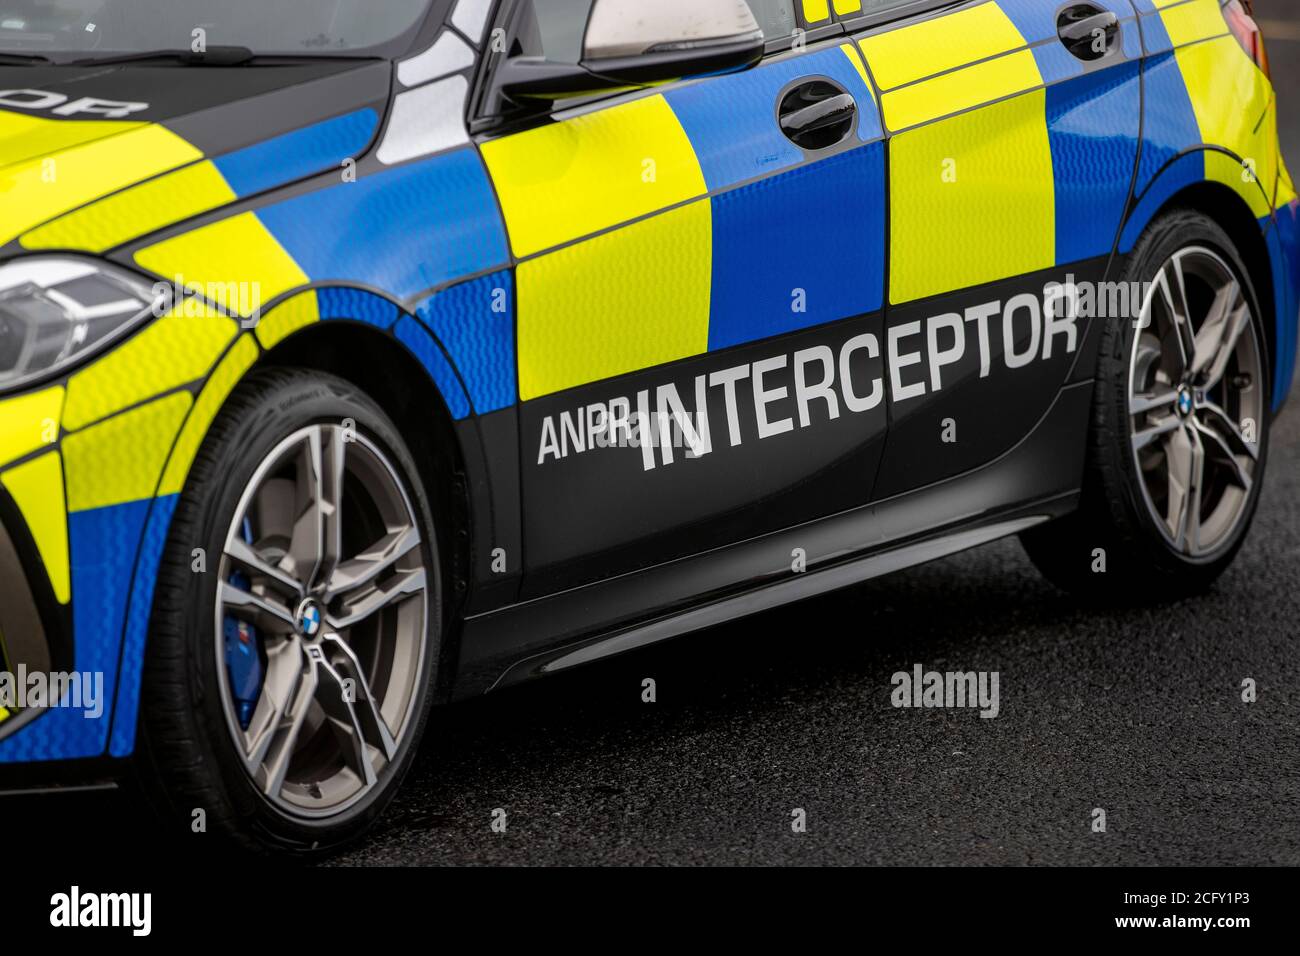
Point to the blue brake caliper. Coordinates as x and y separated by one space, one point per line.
243 652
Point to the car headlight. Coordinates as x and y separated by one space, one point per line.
55 311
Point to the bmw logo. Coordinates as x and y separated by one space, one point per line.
309 619
1184 402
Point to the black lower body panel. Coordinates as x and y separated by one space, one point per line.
1035 481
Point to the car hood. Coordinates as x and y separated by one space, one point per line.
76 138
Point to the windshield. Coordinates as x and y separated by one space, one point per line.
68 29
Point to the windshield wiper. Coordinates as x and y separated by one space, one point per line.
18 58
212 56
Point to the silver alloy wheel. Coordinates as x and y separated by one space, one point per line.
342 638
1196 401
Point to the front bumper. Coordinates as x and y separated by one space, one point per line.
34 637
76 575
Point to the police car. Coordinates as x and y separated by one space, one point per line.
356 358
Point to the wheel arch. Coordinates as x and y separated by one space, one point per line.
1233 215
395 379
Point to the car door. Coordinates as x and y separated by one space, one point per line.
699 289
1013 130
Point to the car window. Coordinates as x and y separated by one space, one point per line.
554 29
776 17
853 9
821 13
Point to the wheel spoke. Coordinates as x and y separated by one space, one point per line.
1161 398
1171 284
317 532
261 611
1217 420
244 556
284 742
1234 327
1217 450
339 706
368 715
271 511
1210 336
331 505
375 561
1159 429
284 672
1185 458
297 677
403 585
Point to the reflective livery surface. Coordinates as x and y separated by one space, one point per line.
662 334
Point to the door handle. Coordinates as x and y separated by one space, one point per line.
817 115
1087 31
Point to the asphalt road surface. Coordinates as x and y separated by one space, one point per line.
1136 712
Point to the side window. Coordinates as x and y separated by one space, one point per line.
776 17
554 28
821 13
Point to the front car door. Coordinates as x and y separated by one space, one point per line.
700 278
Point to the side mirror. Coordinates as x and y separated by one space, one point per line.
640 43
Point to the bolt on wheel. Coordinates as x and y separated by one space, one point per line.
1196 401
321 611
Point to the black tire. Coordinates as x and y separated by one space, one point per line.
186 758
1141 565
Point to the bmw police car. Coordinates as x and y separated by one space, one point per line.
356 358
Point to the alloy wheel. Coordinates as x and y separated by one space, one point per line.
321 617
1196 401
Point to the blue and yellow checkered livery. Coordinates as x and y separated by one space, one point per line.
656 227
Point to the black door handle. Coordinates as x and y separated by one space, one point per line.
1088 32
817 114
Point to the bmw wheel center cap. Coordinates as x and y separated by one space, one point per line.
308 618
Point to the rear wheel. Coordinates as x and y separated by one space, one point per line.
1180 426
289 680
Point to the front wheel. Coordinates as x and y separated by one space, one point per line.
290 670
1179 435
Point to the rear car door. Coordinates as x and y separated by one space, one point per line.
685 264
1013 130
